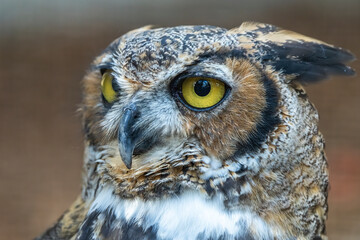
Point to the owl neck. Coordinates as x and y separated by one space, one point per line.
241 187
181 204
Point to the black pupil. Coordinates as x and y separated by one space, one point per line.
202 87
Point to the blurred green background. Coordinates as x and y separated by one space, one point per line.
46 47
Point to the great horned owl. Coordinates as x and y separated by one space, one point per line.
199 132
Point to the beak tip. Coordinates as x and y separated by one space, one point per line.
127 159
127 164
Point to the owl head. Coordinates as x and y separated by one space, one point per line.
216 111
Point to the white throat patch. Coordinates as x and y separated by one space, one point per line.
185 217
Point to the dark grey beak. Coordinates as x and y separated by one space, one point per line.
126 135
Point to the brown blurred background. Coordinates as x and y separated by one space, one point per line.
46 47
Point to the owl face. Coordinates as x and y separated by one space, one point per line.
216 87
156 86
221 113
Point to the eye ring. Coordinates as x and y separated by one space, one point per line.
200 93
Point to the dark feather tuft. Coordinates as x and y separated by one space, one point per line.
308 61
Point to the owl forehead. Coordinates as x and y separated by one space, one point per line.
142 56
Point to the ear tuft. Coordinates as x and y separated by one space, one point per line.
300 57
309 61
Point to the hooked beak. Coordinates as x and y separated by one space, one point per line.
126 136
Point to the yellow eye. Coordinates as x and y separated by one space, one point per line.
202 92
107 87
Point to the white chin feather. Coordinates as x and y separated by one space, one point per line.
184 217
